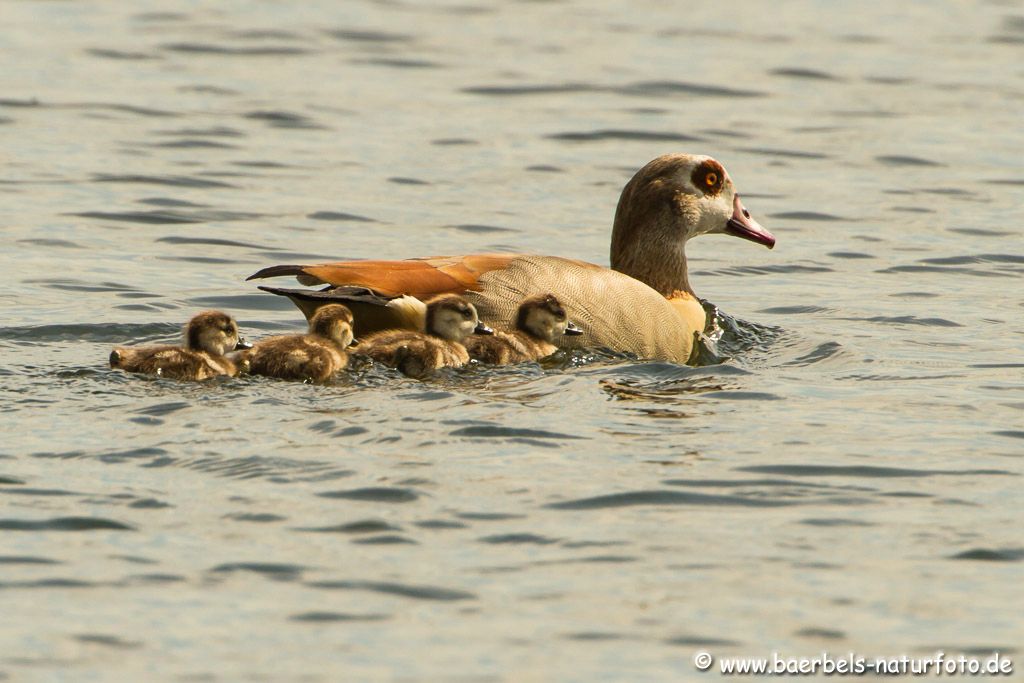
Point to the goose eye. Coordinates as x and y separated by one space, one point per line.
466 313
708 178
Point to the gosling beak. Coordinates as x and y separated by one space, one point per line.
482 329
242 345
571 329
742 225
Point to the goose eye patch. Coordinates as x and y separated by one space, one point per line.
708 177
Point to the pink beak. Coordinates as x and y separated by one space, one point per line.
742 225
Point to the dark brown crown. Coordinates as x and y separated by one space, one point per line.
326 316
212 320
451 302
544 302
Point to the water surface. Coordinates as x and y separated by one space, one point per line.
847 478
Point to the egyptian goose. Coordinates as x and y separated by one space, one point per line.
539 324
449 320
643 305
208 337
313 357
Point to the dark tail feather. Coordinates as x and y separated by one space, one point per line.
340 295
369 309
275 271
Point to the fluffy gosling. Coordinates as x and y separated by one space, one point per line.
450 319
312 357
208 336
540 322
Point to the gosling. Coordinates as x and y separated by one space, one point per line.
313 357
450 319
541 320
208 337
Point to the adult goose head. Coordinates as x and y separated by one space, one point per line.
670 200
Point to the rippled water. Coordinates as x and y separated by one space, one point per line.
847 479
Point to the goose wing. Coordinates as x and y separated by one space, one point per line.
422 278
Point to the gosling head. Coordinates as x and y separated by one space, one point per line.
544 317
334 322
453 318
213 332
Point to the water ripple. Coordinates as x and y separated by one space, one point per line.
339 216
499 432
166 217
619 135
660 497
517 539
253 51
365 36
319 617
93 332
378 494
867 471
902 160
272 570
397 589
798 72
991 555
26 559
285 119
636 89
168 180
64 524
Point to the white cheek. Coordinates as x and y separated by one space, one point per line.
715 215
